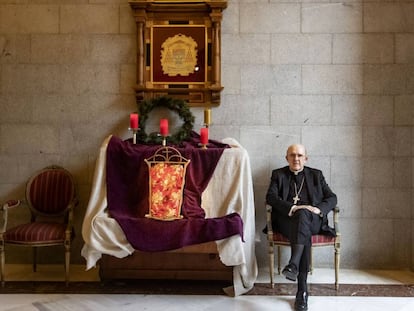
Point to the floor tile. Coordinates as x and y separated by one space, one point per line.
123 302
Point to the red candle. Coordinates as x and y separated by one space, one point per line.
204 135
133 121
164 127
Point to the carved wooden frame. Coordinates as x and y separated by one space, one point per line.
197 23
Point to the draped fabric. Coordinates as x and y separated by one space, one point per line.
127 195
229 190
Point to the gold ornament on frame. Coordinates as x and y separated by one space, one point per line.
179 56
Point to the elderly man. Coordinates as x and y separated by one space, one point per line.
300 200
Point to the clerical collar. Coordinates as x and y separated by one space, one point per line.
296 172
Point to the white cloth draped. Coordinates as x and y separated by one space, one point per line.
229 190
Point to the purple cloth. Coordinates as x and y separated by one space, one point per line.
128 199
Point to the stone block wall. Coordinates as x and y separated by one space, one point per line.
335 76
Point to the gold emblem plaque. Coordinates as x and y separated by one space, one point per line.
179 56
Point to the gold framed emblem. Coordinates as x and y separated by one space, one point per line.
178 54
179 50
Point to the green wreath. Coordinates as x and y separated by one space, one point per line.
177 105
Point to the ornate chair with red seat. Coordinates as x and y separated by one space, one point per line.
51 198
277 239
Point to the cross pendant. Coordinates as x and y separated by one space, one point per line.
295 199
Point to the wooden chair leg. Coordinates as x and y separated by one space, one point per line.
337 259
279 259
271 264
34 259
2 262
67 263
311 261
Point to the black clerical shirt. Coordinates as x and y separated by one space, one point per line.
303 193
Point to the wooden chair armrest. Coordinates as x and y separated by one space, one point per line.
11 204
4 213
336 220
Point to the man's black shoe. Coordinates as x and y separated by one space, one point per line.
290 272
301 301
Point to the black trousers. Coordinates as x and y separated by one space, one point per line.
299 229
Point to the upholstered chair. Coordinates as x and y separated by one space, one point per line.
51 199
275 238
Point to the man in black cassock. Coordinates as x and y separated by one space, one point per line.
301 200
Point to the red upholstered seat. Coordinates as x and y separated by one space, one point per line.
318 240
280 238
36 233
321 239
51 198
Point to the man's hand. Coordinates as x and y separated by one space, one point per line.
312 209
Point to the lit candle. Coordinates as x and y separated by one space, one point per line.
133 121
164 127
207 116
204 135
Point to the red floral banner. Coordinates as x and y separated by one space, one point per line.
166 190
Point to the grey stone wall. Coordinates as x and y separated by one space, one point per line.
335 76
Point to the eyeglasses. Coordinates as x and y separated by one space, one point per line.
296 155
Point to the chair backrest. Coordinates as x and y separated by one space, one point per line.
167 171
50 191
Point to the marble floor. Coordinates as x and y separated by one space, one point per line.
124 302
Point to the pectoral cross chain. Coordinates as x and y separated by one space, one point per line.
296 197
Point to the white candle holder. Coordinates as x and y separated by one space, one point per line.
134 134
164 139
